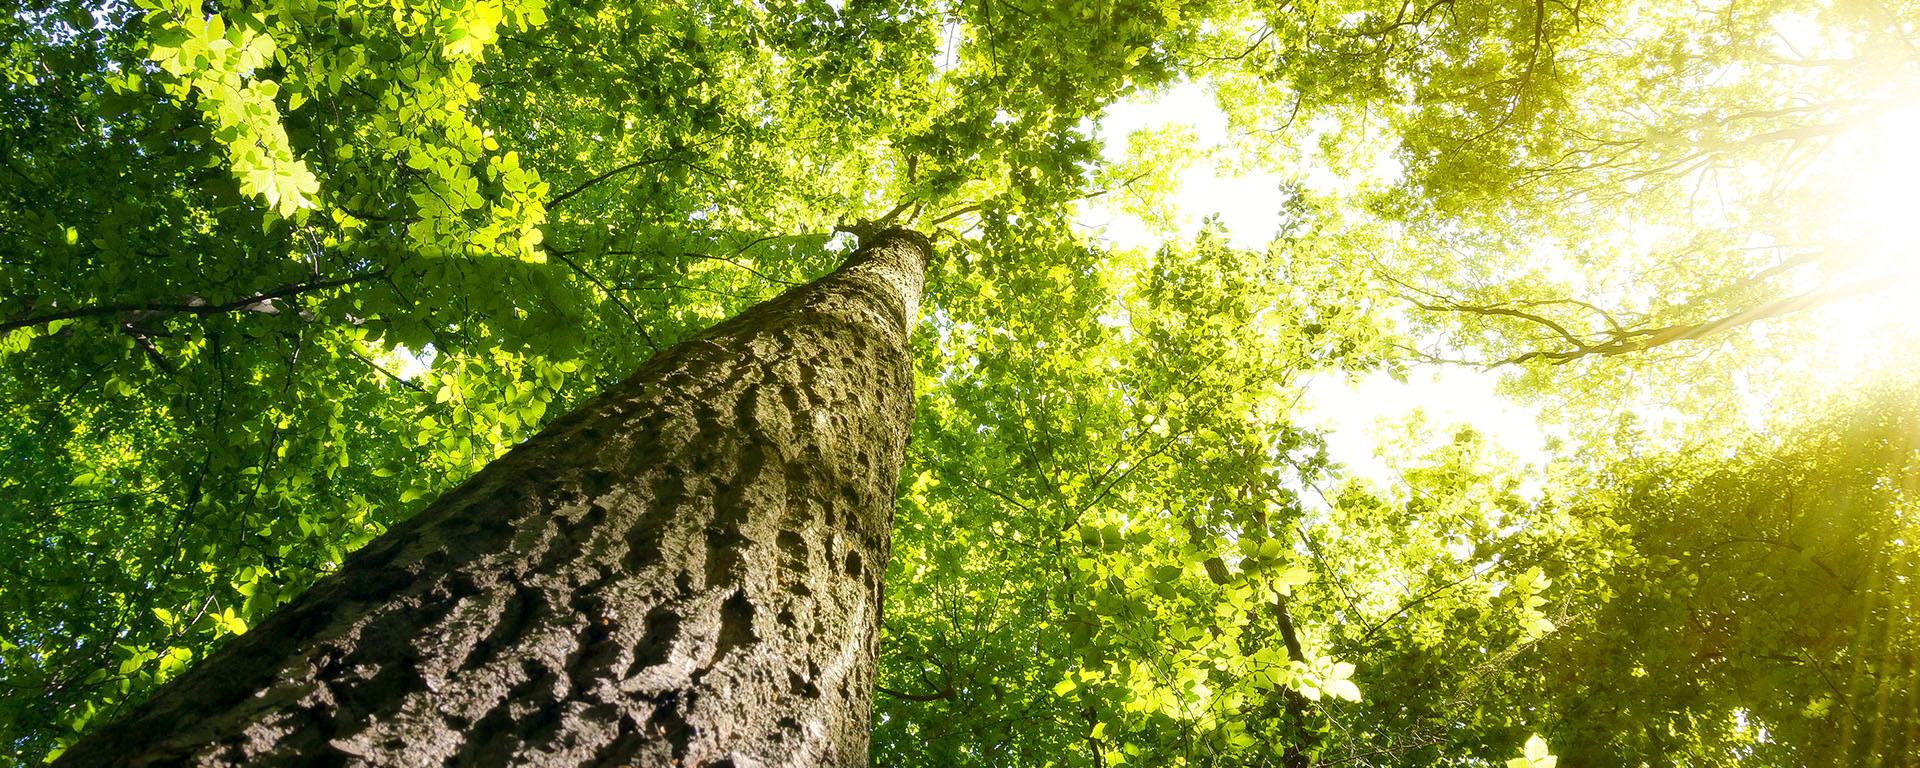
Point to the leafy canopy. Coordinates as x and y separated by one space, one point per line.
276 272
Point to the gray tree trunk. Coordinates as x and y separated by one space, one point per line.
685 570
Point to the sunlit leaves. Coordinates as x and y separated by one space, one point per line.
1180 552
218 63
1534 755
1324 676
1749 568
1143 183
1533 623
471 28
229 621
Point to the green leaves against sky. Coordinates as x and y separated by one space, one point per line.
273 274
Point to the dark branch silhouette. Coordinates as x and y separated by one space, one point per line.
1620 340
191 305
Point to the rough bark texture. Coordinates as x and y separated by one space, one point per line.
685 570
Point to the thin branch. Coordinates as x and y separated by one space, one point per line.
1495 310
888 218
1409 605
153 353
1619 341
644 336
1525 80
756 273
378 217
949 216
935 696
711 257
743 249
555 203
390 374
1264 36
195 306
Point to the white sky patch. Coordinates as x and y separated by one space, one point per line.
951 34
1359 414
408 364
1248 205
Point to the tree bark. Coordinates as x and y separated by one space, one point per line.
685 570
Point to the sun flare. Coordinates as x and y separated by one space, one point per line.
1876 174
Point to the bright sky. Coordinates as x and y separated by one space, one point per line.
1359 413
1247 205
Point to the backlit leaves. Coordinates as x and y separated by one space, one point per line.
217 62
1534 755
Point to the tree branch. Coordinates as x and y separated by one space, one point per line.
555 203
1620 341
390 374
611 294
935 696
192 306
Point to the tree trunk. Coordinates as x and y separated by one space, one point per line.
685 570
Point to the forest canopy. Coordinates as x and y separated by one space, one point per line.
274 274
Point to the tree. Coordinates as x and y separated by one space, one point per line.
380 204
1764 591
283 272
686 568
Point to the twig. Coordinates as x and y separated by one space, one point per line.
644 336
192 307
555 203
390 374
